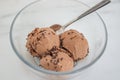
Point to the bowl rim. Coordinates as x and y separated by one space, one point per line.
52 72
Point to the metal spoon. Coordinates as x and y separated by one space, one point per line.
92 9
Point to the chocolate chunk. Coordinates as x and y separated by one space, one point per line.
82 38
68 33
73 37
38 38
79 58
48 50
33 50
57 60
72 32
81 34
51 60
36 29
48 33
61 59
53 33
29 34
43 34
55 67
32 34
60 36
44 55
42 31
48 64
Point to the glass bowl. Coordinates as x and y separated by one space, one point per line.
43 13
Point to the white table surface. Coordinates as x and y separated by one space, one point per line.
106 68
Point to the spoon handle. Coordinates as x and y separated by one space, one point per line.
94 8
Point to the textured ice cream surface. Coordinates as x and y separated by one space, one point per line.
41 40
57 52
57 60
75 43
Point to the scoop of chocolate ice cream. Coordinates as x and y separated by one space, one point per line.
75 43
41 40
57 60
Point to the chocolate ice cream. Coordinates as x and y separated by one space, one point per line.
41 40
57 60
57 52
75 43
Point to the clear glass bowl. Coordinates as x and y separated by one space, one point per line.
43 13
